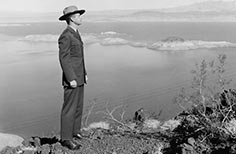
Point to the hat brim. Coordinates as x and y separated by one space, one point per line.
65 16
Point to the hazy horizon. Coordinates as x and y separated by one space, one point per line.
42 6
201 11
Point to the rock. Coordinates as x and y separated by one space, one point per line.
7 150
230 127
95 125
28 152
170 124
57 148
173 39
45 149
28 142
37 142
45 140
191 141
10 140
151 123
29 149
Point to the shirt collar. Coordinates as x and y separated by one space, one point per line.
73 28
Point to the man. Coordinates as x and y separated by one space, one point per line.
74 77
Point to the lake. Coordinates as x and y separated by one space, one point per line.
121 67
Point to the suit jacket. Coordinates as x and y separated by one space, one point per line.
71 57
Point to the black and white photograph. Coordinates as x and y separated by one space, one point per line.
118 77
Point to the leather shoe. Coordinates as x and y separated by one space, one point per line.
78 136
70 145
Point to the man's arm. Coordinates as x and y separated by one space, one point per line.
64 57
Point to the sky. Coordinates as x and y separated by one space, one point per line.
59 5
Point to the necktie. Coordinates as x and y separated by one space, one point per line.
78 35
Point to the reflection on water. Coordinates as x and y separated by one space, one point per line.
31 92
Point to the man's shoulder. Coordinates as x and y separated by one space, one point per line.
65 34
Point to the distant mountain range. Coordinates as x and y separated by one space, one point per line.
208 11
207 6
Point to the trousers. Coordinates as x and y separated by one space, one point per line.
71 113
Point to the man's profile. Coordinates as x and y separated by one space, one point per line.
71 57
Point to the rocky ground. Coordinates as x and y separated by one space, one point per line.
182 135
98 141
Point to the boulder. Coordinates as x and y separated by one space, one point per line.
10 140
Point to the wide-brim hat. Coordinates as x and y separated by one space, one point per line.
70 10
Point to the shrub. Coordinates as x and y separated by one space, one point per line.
209 109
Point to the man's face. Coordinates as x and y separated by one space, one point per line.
76 19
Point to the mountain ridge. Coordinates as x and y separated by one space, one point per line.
208 11
206 6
